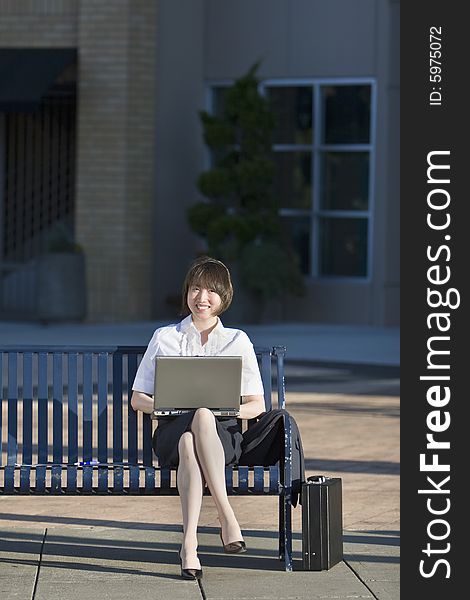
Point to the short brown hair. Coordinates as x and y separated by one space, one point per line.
212 274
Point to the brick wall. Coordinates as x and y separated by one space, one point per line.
38 23
116 155
115 148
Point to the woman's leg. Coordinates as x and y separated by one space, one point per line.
190 486
211 457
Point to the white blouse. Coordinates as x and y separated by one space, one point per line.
183 339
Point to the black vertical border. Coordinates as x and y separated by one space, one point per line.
424 129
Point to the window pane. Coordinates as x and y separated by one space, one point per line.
293 179
219 98
344 181
292 107
343 247
296 235
346 114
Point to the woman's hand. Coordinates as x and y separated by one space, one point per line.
143 402
252 407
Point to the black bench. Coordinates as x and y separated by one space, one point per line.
61 406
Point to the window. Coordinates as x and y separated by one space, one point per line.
323 151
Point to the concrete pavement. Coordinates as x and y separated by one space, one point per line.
117 547
99 563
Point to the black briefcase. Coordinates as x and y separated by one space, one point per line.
322 523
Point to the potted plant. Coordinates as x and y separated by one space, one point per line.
61 285
239 217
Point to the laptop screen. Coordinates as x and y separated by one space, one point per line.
191 382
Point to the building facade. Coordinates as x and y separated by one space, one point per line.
142 71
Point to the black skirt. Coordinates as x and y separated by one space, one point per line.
169 430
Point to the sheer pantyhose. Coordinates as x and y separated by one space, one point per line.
202 459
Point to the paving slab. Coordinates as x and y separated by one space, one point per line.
375 557
260 575
82 564
20 551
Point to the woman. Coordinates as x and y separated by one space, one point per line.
198 443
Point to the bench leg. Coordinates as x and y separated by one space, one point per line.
285 530
282 532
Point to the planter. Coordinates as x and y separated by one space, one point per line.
61 287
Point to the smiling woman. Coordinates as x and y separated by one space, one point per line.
198 443
212 276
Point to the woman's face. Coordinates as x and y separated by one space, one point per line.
204 303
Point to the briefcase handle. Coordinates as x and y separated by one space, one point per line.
317 479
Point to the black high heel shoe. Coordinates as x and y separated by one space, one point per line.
192 574
237 547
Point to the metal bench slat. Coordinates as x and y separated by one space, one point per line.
9 476
72 417
229 479
118 480
56 479
102 408
117 407
25 479
43 395
266 377
242 480
274 479
87 475
1 402
27 408
147 440
131 414
149 479
57 416
134 479
258 486
103 473
279 353
71 479
87 415
165 478
40 480
12 445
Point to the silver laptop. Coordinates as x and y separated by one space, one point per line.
186 383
